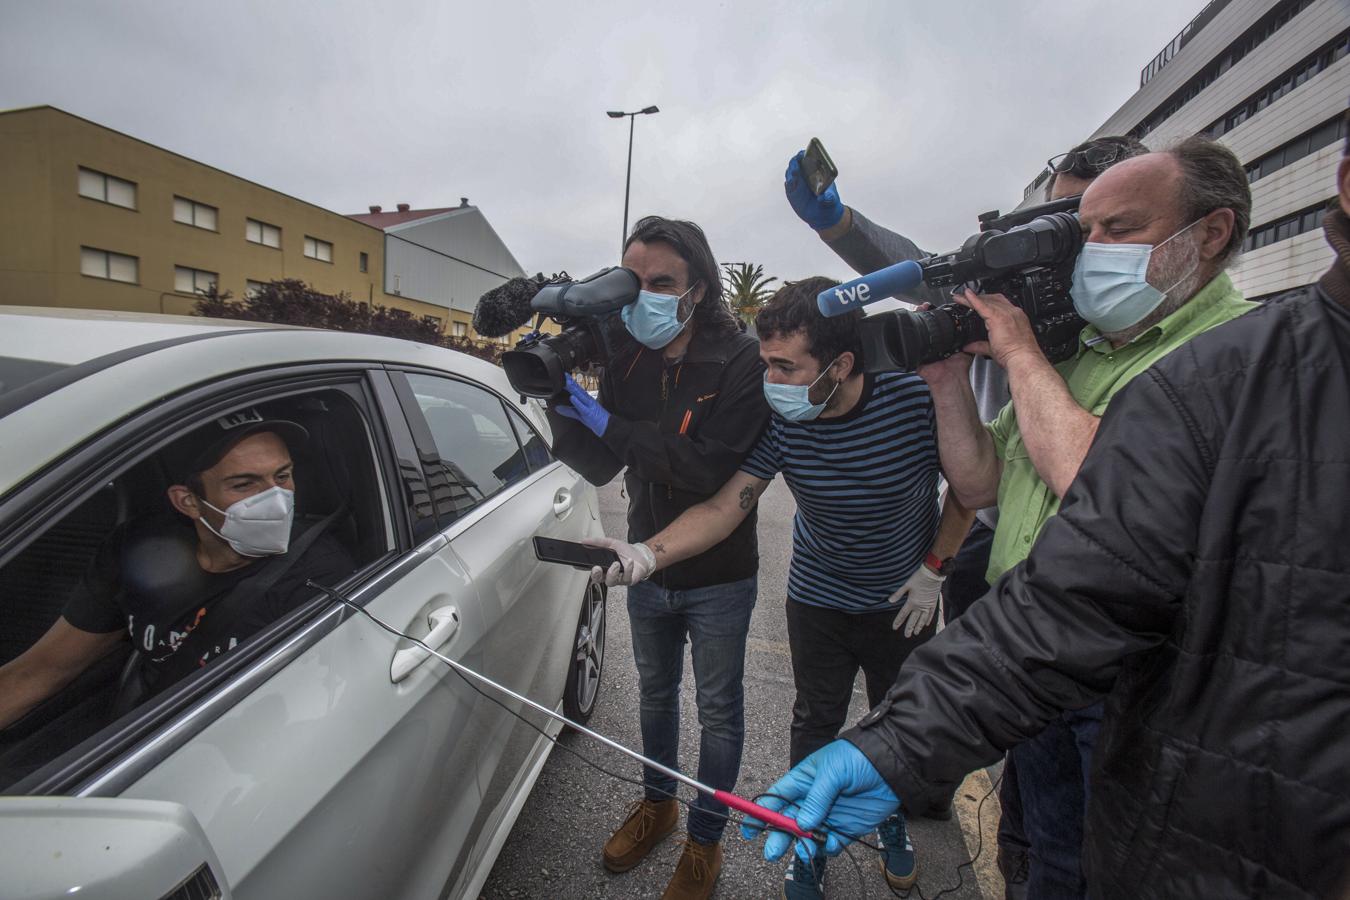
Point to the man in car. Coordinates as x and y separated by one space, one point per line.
187 589
679 407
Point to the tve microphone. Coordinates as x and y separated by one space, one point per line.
878 285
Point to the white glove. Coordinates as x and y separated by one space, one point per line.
924 587
636 562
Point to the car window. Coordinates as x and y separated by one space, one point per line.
537 454
116 582
478 449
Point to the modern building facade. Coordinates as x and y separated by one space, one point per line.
448 257
1271 80
97 219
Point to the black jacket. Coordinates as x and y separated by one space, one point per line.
682 431
1198 573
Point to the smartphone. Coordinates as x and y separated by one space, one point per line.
570 553
817 167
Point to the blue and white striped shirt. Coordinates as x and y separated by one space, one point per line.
866 491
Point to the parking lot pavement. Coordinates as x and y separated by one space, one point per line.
554 849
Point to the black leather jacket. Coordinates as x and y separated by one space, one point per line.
681 430
1198 575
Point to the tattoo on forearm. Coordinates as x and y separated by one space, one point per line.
747 496
658 547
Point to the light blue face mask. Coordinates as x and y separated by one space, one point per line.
654 319
1110 287
793 401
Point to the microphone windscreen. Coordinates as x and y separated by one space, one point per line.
505 308
878 285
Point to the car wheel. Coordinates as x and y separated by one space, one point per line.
588 658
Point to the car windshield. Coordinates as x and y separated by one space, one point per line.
16 372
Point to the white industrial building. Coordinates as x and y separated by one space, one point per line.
1270 79
447 256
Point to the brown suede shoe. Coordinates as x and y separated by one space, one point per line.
648 822
696 872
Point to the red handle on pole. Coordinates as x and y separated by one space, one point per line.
767 816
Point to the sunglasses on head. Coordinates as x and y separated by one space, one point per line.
1095 158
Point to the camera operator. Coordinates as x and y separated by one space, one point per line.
680 408
1161 229
1197 574
858 452
867 247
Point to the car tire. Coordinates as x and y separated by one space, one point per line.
587 660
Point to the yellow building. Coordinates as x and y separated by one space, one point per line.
95 219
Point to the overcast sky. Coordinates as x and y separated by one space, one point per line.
933 112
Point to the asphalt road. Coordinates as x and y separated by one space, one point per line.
554 850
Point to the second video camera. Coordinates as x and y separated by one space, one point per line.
1027 256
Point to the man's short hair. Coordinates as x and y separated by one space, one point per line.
793 308
1212 177
691 245
1093 157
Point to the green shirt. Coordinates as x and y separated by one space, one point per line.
1093 375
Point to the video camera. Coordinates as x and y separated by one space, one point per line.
587 310
1028 256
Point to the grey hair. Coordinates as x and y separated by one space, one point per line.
1213 178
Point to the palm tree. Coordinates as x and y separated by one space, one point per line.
746 288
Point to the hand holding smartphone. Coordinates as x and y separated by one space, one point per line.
817 168
570 553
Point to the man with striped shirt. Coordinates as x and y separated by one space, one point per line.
859 453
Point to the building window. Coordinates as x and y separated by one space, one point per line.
365 261
106 188
1301 222
1306 144
256 232
190 212
459 329
113 266
193 281
317 249
253 288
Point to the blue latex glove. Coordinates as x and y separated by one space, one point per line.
818 212
584 408
836 786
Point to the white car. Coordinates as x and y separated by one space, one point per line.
321 757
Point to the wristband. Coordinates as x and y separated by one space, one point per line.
942 567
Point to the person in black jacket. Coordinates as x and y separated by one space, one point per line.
680 408
1197 576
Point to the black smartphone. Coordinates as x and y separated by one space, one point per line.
570 553
817 168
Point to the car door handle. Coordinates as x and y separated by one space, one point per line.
562 502
444 623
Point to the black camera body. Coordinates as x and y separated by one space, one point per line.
588 311
1027 256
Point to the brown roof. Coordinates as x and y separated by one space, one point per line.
388 219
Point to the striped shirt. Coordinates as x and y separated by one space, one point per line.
866 491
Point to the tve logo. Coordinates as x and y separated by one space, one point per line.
845 295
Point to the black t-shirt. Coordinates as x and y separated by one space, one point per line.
145 578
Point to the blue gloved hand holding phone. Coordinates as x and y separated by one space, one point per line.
820 212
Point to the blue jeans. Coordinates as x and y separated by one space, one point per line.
715 620
1052 775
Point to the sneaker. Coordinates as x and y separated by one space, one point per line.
647 824
898 862
696 872
805 880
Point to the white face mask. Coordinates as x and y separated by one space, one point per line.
259 525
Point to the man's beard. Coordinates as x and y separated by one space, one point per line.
1175 270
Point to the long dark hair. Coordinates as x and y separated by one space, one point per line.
687 239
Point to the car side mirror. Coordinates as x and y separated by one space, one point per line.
105 847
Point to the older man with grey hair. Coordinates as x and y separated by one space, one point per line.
1161 231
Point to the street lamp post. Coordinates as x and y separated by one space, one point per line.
628 180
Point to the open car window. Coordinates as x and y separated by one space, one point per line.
123 563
